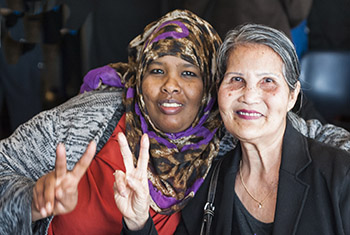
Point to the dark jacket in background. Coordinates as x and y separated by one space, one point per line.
329 25
227 14
110 25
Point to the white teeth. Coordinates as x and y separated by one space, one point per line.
250 114
171 105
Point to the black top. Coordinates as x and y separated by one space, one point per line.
245 223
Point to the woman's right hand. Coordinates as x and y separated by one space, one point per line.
57 192
131 191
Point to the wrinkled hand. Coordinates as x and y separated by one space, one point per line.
57 192
131 191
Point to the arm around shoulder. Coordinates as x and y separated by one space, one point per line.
328 134
24 157
29 152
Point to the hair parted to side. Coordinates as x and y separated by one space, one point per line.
264 35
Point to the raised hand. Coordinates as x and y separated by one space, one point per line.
57 192
131 191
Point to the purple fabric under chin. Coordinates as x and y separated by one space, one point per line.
199 130
151 134
106 74
166 202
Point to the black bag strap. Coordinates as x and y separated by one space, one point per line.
209 206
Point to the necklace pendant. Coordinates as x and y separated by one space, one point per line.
259 206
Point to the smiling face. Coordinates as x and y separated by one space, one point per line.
172 89
254 97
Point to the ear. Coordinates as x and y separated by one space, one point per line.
293 96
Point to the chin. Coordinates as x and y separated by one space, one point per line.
246 133
171 129
246 136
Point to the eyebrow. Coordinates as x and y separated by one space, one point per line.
268 74
189 65
155 62
259 74
233 73
184 64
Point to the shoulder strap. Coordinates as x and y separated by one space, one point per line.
209 206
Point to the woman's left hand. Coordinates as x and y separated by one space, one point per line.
131 192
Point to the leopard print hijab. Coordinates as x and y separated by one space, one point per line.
179 162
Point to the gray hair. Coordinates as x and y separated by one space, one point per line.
260 34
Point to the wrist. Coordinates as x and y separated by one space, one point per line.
137 223
35 213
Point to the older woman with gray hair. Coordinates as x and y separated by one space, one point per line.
276 181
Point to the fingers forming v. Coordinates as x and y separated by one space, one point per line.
61 162
126 153
142 162
84 162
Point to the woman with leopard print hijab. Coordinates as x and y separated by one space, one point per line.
179 159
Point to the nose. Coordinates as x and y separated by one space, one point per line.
250 95
171 84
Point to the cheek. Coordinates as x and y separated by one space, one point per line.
278 103
225 97
148 94
195 93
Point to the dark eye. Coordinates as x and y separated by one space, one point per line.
268 84
268 80
189 74
156 71
235 83
236 79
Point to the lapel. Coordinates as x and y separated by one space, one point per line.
224 199
292 191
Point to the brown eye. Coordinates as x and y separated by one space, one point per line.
236 83
237 79
156 71
268 84
189 74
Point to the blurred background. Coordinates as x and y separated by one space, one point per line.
47 46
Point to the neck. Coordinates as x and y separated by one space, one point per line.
262 156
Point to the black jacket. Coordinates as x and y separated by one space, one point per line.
313 192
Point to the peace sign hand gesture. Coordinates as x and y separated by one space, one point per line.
131 191
57 192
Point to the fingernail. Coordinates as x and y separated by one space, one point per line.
43 212
49 207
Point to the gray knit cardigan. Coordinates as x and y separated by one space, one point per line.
29 152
